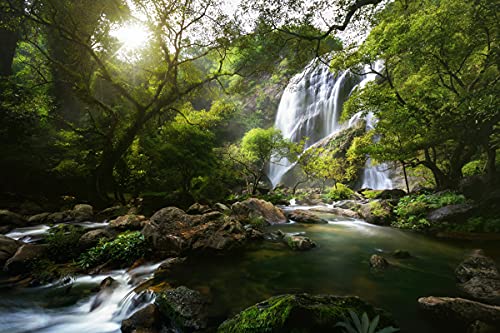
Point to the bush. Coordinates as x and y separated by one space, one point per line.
371 194
339 192
411 210
473 168
123 250
477 224
62 242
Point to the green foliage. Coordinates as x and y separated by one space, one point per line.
477 224
412 209
472 168
371 194
363 324
62 241
377 210
339 192
123 251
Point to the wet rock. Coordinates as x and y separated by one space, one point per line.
222 208
58 217
198 209
378 262
301 313
393 194
216 236
111 213
105 290
253 208
460 310
82 212
482 289
452 213
401 254
8 248
337 211
377 212
10 220
186 308
128 222
347 204
25 255
38 218
298 242
146 320
303 216
91 238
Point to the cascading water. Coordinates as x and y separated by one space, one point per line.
311 107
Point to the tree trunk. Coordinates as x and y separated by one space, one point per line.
406 177
491 170
9 37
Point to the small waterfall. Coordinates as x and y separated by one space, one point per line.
311 106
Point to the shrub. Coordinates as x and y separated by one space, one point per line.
371 194
62 241
123 250
477 224
339 192
473 168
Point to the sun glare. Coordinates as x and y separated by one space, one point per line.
132 37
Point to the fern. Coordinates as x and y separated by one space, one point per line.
363 324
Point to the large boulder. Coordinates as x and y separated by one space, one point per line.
10 220
146 320
479 278
91 238
8 248
459 311
128 222
25 255
458 213
253 208
197 209
82 212
304 216
301 313
111 213
337 211
38 218
298 242
392 194
377 212
186 308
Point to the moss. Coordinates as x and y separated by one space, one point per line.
371 194
378 210
300 314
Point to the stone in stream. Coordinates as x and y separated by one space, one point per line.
82 212
303 313
303 216
91 238
337 211
146 320
10 220
253 208
378 262
298 242
128 222
401 254
186 308
25 255
8 248
105 290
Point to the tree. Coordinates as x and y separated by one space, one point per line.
257 149
188 44
437 93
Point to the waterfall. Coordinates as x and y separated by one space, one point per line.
311 106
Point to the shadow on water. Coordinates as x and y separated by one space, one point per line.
339 265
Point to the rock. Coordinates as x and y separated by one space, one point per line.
186 308
253 208
303 216
171 219
337 211
276 236
298 242
393 194
482 289
197 209
216 236
58 217
301 313
459 310
25 255
377 212
38 218
222 208
128 222
105 290
10 220
479 277
476 264
8 248
378 262
91 238
111 213
401 254
170 263
458 213
347 204
146 320
82 212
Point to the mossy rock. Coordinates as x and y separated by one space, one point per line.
301 313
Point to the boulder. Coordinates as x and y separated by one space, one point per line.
91 238
460 311
222 208
298 242
337 211
197 209
10 220
347 204
58 217
401 254
392 194
104 291
128 222
25 255
479 278
304 216
8 248
82 212
111 213
377 212
172 219
146 320
38 218
186 308
256 208
301 313
458 213
378 262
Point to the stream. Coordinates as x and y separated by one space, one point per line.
339 265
